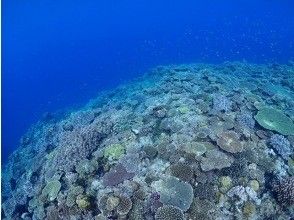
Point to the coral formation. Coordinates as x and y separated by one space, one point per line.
229 141
221 103
281 145
182 171
284 191
246 120
51 190
174 192
215 159
114 151
169 212
116 175
180 142
275 120
124 206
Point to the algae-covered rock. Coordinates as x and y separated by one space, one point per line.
225 183
254 184
114 151
275 120
175 192
51 190
83 202
249 209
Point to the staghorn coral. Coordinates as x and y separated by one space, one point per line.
75 146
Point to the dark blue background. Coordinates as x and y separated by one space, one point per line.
60 53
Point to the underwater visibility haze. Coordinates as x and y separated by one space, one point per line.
164 110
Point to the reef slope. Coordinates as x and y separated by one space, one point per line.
193 141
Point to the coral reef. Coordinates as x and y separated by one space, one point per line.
191 141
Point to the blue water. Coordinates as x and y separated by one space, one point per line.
58 54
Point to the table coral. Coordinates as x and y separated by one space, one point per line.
215 159
275 120
229 141
174 192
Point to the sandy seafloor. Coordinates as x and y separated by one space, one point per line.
191 141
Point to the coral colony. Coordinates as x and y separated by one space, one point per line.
193 141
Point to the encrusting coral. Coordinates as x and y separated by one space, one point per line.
191 141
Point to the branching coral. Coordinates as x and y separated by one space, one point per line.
245 120
281 145
284 191
75 146
221 103
169 212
